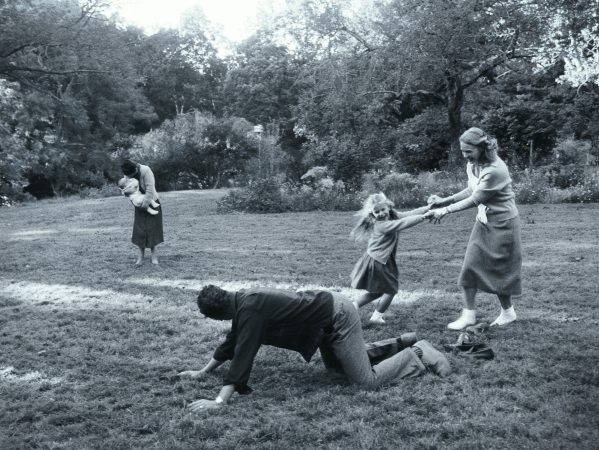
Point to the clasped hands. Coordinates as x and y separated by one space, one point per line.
435 215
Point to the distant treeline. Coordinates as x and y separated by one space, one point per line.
385 89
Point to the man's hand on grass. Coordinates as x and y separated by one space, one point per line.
194 374
204 404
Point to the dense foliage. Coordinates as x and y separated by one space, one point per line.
375 87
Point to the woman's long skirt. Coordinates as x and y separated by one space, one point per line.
493 261
147 229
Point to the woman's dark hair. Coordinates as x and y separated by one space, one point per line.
213 301
129 167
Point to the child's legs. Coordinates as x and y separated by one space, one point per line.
154 204
366 298
384 302
151 211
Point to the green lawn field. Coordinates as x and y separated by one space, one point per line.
90 344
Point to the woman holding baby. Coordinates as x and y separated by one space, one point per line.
147 228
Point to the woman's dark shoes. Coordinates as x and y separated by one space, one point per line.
473 350
472 343
479 328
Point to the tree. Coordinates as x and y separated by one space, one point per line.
419 54
260 84
40 41
570 35
453 46
14 157
200 148
180 72
80 63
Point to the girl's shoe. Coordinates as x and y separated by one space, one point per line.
467 318
377 317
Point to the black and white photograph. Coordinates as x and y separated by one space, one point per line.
299 224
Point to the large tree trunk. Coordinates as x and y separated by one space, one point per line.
455 100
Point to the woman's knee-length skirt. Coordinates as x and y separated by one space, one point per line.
147 229
373 276
493 261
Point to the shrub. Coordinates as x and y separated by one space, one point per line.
564 176
572 151
408 191
550 184
326 195
271 196
405 190
260 196
107 190
531 187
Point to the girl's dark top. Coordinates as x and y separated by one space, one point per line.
291 320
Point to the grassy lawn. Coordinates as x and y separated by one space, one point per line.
90 344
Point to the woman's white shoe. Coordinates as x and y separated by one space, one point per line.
467 318
506 316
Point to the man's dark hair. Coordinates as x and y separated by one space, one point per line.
128 167
213 301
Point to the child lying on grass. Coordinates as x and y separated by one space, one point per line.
130 189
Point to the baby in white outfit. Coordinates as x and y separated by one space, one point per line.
130 189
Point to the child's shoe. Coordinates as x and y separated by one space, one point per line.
506 316
467 318
377 317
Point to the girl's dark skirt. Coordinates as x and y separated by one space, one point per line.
373 276
493 261
147 229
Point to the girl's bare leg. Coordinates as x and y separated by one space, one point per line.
366 298
384 303
154 255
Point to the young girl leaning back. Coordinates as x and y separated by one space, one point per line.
376 271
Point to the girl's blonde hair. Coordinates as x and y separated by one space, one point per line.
363 228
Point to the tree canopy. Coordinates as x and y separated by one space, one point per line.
355 86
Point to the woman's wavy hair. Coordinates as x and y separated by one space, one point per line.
213 301
366 221
478 138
